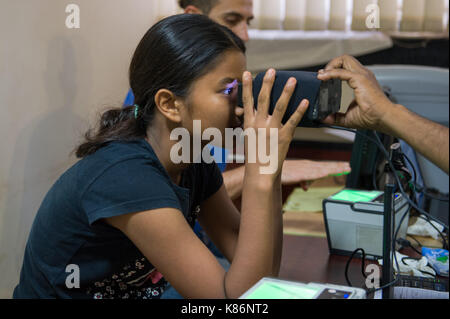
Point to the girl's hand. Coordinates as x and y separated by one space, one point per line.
270 136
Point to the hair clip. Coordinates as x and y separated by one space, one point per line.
136 110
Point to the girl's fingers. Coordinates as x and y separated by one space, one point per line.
283 101
295 119
247 96
265 94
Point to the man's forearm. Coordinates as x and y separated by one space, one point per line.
428 138
233 181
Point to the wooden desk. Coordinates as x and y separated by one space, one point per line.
307 259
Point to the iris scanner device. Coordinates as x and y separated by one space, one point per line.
324 97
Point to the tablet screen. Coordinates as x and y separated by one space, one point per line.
282 290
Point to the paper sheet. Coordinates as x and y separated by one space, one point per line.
310 201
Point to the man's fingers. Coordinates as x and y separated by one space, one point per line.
337 168
346 62
342 74
336 63
330 120
305 185
337 119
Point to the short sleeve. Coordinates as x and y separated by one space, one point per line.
128 187
214 180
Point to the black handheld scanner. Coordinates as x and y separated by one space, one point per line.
324 97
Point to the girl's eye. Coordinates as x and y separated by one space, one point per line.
230 88
228 91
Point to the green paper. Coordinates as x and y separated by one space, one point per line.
340 174
310 201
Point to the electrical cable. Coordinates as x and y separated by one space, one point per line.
374 173
414 238
414 189
386 154
444 240
408 199
362 264
406 213
381 147
410 202
417 259
403 191
370 291
413 168
406 243
419 188
424 190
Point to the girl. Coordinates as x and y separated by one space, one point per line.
118 224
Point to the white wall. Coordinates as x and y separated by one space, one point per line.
53 83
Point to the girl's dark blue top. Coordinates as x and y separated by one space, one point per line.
69 229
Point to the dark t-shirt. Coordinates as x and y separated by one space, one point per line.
69 236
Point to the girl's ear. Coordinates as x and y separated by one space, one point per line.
192 10
168 105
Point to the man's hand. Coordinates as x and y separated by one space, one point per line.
303 171
372 110
370 106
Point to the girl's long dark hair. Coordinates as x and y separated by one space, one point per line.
172 55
